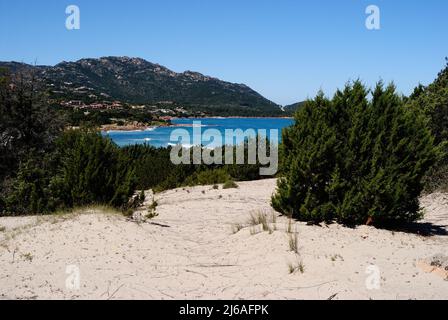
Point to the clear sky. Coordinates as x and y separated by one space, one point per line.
285 49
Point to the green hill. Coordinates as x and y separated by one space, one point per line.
137 81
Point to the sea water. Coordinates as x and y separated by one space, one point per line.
160 136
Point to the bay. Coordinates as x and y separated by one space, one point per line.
160 136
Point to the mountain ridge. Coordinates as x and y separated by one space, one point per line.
138 81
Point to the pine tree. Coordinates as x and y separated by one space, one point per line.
93 170
432 101
355 161
28 129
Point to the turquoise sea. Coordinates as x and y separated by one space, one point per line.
160 136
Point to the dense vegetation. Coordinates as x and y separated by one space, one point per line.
292 108
433 102
45 167
28 128
97 118
154 169
83 168
354 160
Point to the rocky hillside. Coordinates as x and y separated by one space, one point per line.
137 81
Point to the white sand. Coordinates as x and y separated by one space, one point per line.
196 256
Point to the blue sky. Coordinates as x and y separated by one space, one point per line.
285 49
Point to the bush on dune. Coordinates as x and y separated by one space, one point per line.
28 130
208 177
154 169
93 170
230 184
355 160
151 165
85 168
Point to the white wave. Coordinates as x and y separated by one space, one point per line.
184 145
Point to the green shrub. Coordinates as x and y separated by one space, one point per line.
432 101
152 213
208 177
154 170
93 170
28 128
84 169
230 185
353 160
437 179
32 189
151 165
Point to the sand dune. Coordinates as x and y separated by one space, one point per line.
201 246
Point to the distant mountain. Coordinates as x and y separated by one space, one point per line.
137 81
293 107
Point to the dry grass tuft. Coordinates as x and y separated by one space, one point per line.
293 243
297 266
237 227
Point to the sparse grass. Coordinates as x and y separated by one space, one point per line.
261 218
230 185
154 204
298 266
254 231
336 257
128 213
274 220
259 222
137 200
28 257
301 267
2 229
291 268
152 213
293 243
215 187
94 208
237 227
56 217
289 226
59 216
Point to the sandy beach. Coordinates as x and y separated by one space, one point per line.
202 246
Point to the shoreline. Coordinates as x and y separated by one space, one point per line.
139 127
